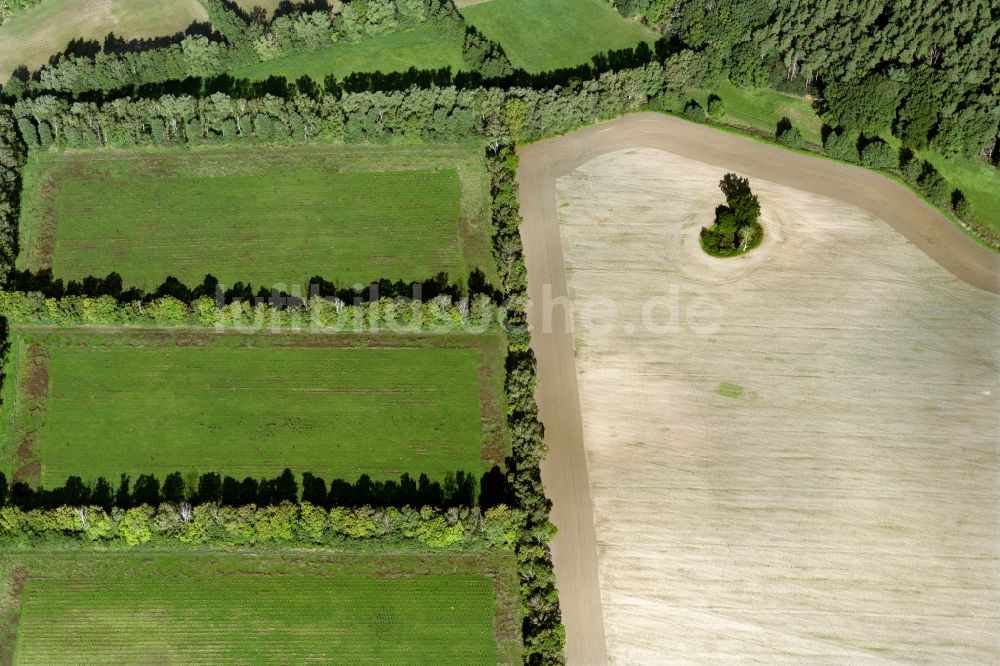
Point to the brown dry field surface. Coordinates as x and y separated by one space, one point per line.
790 457
34 35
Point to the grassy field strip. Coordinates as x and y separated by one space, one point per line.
422 47
33 36
154 402
347 214
542 35
291 226
760 110
214 607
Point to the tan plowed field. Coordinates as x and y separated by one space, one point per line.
789 457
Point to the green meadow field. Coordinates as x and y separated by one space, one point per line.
760 110
542 35
268 216
87 403
421 47
216 607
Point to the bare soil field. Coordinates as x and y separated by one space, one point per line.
788 457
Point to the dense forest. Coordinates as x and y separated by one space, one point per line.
927 70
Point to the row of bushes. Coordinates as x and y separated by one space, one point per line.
242 40
287 523
457 489
440 314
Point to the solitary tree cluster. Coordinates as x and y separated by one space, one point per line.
736 229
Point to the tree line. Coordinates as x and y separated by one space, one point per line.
312 113
13 154
44 283
287 523
542 629
480 314
239 39
458 489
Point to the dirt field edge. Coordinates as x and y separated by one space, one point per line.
564 471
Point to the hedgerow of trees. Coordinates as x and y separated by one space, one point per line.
43 282
458 489
440 313
241 39
287 523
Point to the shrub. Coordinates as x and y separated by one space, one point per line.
961 206
933 185
912 167
716 107
877 154
842 146
787 134
694 112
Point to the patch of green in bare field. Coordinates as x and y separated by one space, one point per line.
218 607
269 216
87 403
728 390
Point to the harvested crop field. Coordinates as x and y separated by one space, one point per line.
787 457
349 214
214 607
31 37
87 403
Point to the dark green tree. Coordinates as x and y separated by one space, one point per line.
736 228
173 488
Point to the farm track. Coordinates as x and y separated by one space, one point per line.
575 549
